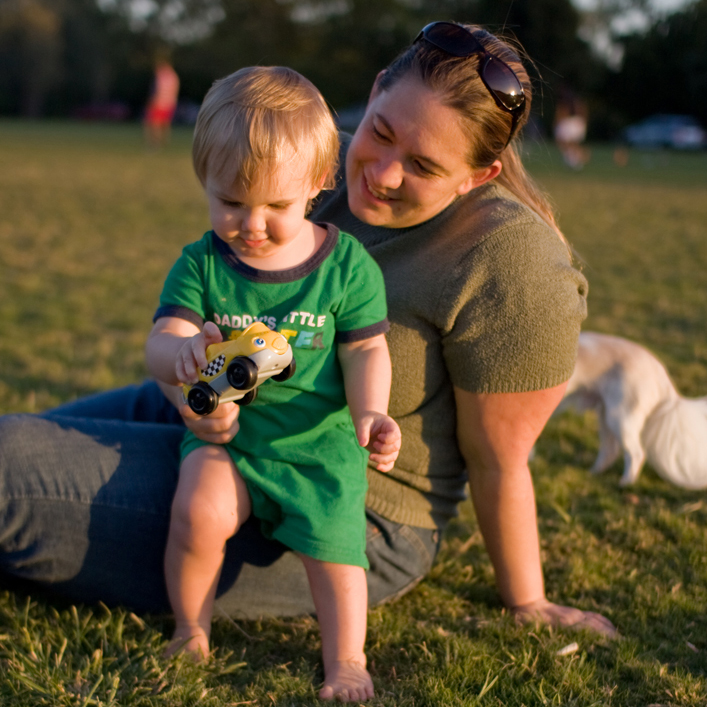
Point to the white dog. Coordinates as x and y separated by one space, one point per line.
640 412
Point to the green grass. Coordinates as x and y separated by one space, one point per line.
89 224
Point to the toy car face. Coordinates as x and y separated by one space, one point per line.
236 368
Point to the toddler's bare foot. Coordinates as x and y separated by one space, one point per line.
193 640
347 681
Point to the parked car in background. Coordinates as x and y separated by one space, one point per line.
680 132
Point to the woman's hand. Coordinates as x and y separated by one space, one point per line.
558 616
381 436
220 427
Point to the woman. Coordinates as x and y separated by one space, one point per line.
485 311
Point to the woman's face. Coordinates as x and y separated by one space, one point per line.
407 160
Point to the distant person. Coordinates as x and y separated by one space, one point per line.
161 105
571 130
265 144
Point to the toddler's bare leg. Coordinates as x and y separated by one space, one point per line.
341 598
210 504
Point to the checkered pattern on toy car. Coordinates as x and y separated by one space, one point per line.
214 366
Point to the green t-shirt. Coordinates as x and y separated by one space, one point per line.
296 444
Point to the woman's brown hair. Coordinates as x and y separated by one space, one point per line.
456 80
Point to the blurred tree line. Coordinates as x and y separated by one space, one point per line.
59 56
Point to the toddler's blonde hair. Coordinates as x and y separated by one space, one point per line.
257 117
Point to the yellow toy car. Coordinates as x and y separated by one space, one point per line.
237 367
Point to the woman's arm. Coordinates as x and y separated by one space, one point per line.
496 433
367 378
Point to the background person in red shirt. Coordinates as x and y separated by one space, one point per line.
161 104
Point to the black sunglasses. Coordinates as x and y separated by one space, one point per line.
500 80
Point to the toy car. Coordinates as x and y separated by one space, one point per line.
236 368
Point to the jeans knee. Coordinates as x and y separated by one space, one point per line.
17 434
22 442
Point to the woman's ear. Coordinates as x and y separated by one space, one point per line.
479 177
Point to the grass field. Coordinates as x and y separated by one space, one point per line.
90 223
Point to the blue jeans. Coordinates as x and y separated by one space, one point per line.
85 496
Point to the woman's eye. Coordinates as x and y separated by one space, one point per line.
422 169
378 133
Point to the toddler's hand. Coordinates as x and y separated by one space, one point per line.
192 356
381 436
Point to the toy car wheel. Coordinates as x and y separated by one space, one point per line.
286 373
248 398
242 373
202 399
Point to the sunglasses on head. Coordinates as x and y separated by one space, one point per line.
500 80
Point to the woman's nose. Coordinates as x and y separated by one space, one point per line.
388 174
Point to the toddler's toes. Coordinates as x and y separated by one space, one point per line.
326 693
192 641
347 681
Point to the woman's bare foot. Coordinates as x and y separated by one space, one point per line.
347 681
193 640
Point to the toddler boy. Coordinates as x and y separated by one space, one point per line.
265 144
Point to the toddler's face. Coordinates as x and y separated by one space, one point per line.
266 220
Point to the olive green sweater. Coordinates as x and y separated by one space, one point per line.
483 297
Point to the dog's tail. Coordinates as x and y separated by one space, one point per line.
675 440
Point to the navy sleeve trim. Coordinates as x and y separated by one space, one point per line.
175 310
368 332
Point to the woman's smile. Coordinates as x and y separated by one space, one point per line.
375 193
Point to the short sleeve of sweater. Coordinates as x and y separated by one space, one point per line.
513 310
362 312
183 292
